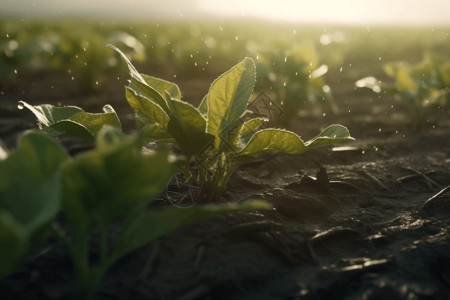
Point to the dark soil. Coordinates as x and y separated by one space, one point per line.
348 222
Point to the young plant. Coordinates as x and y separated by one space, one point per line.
30 195
295 78
420 86
110 185
72 121
218 135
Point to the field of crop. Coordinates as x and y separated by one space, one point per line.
149 189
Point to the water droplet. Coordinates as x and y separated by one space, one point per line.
324 114
340 70
363 152
73 78
15 71
221 28
192 55
174 75
284 83
21 105
379 130
195 64
396 132
285 59
379 58
237 38
96 83
7 36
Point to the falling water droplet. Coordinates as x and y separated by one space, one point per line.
285 59
96 83
340 70
284 83
15 71
237 38
324 114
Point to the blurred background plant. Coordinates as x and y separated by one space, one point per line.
420 86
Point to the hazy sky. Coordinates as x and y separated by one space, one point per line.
329 11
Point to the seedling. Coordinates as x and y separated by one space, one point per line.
218 134
294 78
110 185
420 86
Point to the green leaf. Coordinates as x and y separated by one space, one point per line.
277 140
146 110
30 194
139 85
271 141
188 127
14 240
151 226
113 181
247 130
227 101
330 135
71 120
203 106
163 86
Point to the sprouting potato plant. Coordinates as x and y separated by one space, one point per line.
108 186
421 86
295 77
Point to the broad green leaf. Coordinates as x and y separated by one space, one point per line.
277 140
330 135
30 192
150 226
273 140
138 83
163 86
113 181
247 130
148 111
71 120
227 101
188 127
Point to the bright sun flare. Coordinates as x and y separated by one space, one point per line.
331 11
